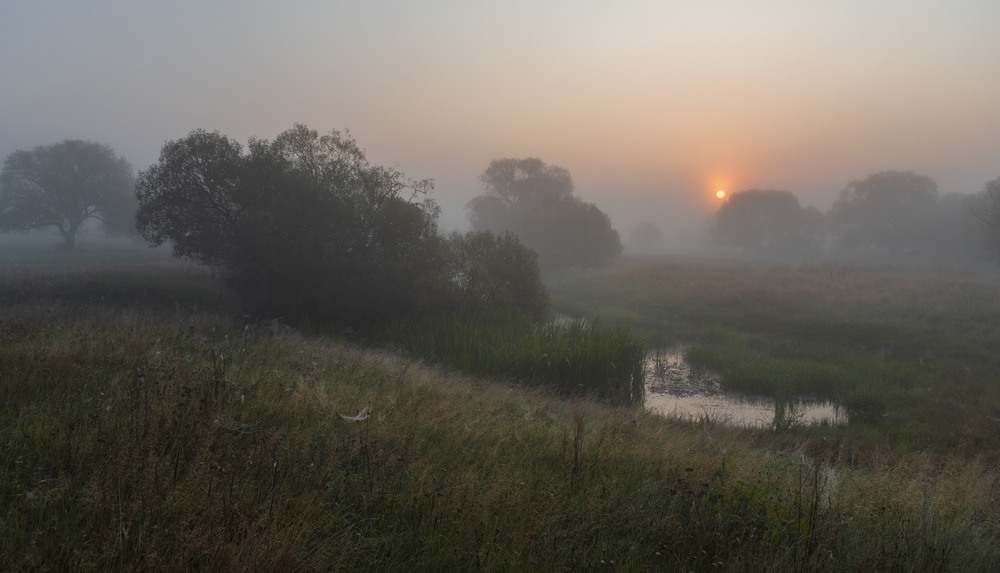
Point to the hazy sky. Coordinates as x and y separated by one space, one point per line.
651 105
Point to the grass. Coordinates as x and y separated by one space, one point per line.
910 352
164 439
579 358
144 432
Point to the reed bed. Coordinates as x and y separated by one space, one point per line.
575 357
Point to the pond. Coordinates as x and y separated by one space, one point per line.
674 389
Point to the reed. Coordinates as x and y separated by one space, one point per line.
577 358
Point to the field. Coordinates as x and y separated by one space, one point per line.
146 424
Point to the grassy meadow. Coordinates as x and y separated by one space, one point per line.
146 424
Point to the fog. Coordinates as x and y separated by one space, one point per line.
651 107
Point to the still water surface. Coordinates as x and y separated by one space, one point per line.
674 389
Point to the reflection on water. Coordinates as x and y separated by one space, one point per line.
674 389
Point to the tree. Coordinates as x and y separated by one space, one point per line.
951 231
987 210
495 273
303 226
65 184
535 201
769 222
883 210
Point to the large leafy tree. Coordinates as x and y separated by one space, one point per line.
304 226
884 210
63 185
494 272
769 222
535 201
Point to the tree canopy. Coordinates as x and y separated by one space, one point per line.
65 184
305 227
535 201
883 210
986 208
771 222
495 273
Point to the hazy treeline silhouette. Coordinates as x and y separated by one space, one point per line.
305 227
891 215
535 201
64 185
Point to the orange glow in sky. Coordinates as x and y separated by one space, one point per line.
717 187
649 118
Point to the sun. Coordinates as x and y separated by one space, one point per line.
720 194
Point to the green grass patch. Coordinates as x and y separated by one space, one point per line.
578 358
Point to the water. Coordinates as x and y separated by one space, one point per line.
674 389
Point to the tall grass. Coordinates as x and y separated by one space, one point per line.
582 358
909 352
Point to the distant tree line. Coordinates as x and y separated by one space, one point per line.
306 228
890 215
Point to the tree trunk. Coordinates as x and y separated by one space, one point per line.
69 235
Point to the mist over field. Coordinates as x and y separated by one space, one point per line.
441 286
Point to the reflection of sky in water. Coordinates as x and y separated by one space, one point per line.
673 389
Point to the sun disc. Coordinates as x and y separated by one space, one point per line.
720 194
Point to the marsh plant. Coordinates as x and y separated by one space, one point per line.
578 357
